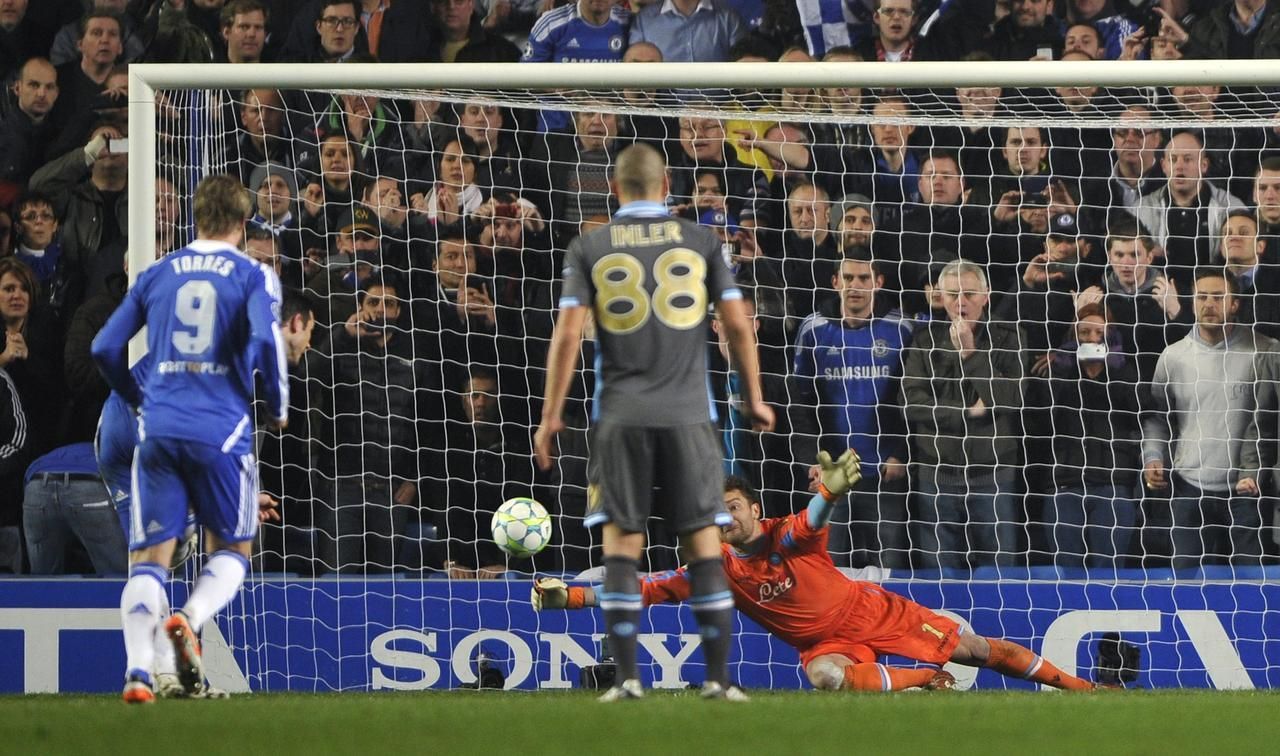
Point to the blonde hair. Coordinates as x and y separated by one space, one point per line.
639 171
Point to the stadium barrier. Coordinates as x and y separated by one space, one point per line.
321 635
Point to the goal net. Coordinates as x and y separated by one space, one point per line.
1037 300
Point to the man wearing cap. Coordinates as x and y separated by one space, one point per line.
854 222
382 412
357 255
1044 299
722 223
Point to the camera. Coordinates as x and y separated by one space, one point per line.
602 675
598 676
488 676
1151 24
1144 14
1119 662
1033 184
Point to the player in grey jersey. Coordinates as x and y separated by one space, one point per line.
647 278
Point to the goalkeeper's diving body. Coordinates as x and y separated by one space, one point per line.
782 577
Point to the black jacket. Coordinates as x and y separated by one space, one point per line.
1210 35
380 408
1096 429
22 146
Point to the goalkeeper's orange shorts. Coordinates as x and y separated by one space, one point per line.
882 622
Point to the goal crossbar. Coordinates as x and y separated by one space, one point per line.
145 79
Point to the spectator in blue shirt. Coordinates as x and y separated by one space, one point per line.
36 231
848 367
588 31
689 31
66 498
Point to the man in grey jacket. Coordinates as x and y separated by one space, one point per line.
1203 418
1186 214
961 385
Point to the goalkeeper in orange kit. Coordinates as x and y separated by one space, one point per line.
782 577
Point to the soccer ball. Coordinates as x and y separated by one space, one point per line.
521 527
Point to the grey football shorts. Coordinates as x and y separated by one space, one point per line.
627 462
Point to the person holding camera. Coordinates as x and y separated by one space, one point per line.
1239 30
378 415
1044 300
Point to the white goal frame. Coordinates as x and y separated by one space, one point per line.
145 80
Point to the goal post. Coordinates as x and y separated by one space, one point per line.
1200 623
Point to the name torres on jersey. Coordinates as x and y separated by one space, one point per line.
645 234
202 264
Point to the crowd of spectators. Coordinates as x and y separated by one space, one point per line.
1049 344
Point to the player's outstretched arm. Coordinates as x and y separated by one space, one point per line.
562 358
834 480
658 588
554 593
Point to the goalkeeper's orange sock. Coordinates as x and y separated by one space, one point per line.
1010 659
882 678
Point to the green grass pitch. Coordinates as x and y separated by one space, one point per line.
571 723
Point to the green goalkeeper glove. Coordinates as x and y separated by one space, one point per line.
554 593
835 478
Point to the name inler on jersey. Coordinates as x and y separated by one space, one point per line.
645 235
202 264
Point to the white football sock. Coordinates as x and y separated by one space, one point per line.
140 613
217 584
164 663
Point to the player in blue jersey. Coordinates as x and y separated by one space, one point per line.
587 31
851 366
211 317
114 446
